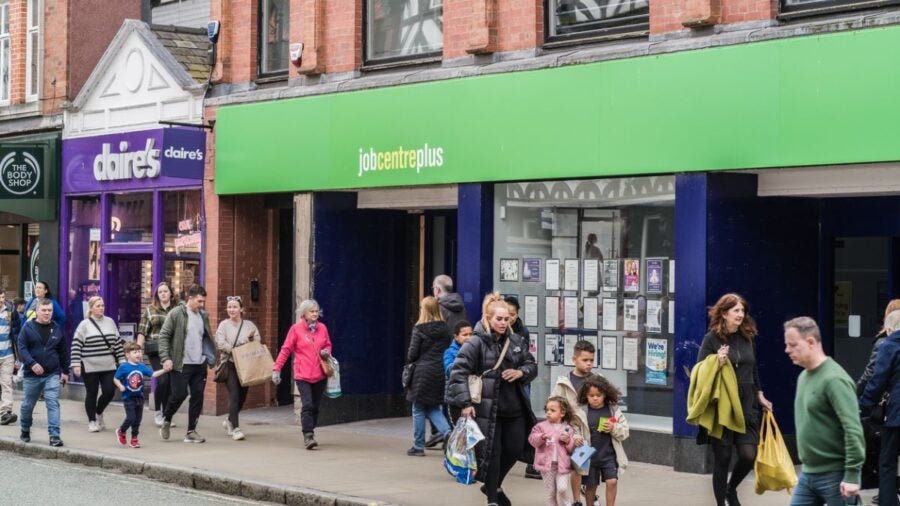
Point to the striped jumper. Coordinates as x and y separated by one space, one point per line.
94 350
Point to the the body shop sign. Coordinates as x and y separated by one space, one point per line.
163 157
21 172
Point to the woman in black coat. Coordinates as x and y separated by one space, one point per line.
504 414
430 337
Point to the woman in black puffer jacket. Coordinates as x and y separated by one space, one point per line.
504 414
430 337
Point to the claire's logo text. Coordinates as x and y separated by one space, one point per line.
138 164
422 158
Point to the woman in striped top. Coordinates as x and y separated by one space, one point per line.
152 320
97 352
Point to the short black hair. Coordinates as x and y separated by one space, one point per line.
195 290
18 301
459 326
586 346
512 300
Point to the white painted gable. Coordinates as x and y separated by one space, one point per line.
136 84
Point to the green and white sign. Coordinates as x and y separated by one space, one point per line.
829 99
21 170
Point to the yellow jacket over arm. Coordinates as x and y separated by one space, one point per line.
713 401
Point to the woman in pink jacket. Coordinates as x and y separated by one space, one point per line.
309 342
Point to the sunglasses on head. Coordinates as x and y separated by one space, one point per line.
236 298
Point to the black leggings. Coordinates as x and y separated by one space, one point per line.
163 385
236 395
94 381
746 456
509 442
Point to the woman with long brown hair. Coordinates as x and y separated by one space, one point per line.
152 320
730 337
430 337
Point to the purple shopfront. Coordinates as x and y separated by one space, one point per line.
132 217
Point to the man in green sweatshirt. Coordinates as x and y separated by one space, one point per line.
826 415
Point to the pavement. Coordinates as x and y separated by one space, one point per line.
361 463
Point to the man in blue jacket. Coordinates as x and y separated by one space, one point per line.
887 379
45 358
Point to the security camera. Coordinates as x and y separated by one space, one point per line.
212 31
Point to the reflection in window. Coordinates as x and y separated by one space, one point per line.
33 50
274 33
181 222
132 217
4 51
399 29
570 18
84 255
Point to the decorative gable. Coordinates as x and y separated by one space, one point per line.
138 83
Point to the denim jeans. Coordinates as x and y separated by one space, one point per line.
33 386
420 412
816 489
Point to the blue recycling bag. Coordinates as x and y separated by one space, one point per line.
459 457
581 457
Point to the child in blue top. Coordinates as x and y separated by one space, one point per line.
130 381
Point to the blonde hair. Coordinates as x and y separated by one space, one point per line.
892 306
93 301
429 311
488 308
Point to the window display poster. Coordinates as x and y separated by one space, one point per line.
610 353
569 349
509 269
592 340
657 362
532 345
654 308
591 275
552 274
610 275
128 331
610 314
671 317
531 270
632 281
570 312
654 275
551 353
630 353
551 312
671 276
630 315
590 312
531 311
570 275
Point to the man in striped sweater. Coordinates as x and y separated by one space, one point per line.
7 361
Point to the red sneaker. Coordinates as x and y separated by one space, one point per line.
135 443
120 435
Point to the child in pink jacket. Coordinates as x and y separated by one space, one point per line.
554 441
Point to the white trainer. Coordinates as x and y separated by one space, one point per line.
92 427
237 434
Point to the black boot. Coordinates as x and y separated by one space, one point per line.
733 498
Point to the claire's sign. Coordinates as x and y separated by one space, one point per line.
162 157
21 172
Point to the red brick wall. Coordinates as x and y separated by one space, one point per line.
735 11
342 50
17 36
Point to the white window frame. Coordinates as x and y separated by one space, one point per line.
5 55
32 92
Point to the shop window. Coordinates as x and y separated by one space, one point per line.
594 260
131 217
801 8
181 274
4 51
84 254
181 222
274 33
33 51
10 244
403 29
575 19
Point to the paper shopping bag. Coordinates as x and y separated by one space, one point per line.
253 363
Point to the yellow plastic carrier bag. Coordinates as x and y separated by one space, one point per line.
774 469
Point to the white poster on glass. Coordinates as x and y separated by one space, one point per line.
630 353
551 355
630 315
654 310
591 275
569 349
610 353
570 312
552 274
590 313
531 311
551 312
571 275
610 314
671 317
671 276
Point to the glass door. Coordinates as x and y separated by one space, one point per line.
129 283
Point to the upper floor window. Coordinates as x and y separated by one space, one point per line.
571 19
4 51
799 8
403 29
274 33
33 51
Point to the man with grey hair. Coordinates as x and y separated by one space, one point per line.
452 309
829 432
886 378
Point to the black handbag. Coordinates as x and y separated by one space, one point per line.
406 377
221 369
